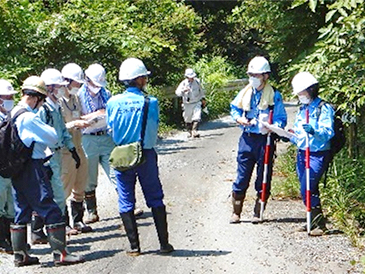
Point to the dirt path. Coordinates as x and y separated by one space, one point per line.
197 177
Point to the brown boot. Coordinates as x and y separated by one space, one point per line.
237 203
90 201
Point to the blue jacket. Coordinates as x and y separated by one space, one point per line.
124 118
322 122
279 115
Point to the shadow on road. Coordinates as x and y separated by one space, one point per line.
189 253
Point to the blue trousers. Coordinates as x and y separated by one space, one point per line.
318 163
147 174
32 191
251 151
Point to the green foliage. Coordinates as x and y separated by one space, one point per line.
214 73
40 34
285 183
344 196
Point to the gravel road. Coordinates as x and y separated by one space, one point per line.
197 175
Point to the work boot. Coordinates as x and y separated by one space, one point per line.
237 203
159 217
19 241
189 129
37 233
5 243
90 201
138 212
318 222
57 240
77 211
130 226
69 230
194 130
256 219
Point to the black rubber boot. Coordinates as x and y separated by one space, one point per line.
5 243
19 241
90 201
318 222
237 203
159 216
57 240
37 233
77 212
69 230
130 226
189 129
194 130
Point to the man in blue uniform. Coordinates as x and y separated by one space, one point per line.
249 108
32 190
124 118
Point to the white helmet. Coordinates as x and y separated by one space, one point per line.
6 88
302 81
258 65
189 72
96 73
132 68
74 72
53 77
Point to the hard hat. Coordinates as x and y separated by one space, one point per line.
132 68
53 77
74 72
189 73
36 84
302 81
96 73
6 88
258 65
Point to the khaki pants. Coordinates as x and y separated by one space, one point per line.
74 180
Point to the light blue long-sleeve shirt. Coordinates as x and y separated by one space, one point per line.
32 129
124 118
322 122
279 113
55 120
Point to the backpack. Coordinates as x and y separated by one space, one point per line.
13 153
338 141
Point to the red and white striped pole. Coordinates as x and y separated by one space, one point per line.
307 170
266 170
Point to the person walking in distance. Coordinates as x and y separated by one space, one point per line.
249 109
319 129
74 179
125 118
7 93
32 189
192 94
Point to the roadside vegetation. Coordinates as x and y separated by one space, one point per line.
217 39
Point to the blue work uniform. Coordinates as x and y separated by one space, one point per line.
32 189
124 118
319 145
6 196
50 113
97 143
251 146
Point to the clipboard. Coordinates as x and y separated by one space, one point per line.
278 130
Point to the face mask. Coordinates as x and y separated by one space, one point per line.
255 82
60 92
94 90
304 99
74 91
8 104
